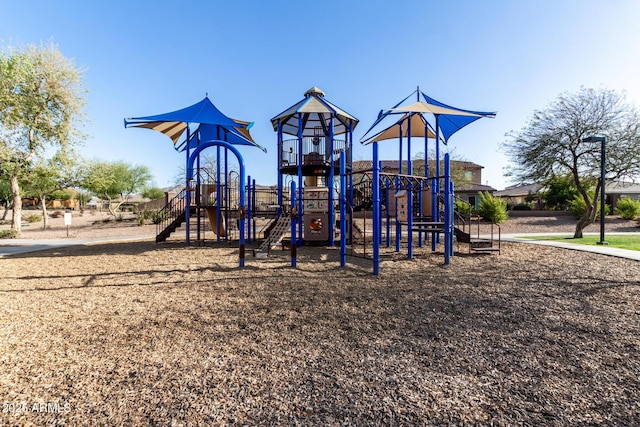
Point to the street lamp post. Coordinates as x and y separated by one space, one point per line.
603 142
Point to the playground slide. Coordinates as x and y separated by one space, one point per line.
212 213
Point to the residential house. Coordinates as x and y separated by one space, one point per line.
521 194
614 191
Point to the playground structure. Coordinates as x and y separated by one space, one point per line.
309 151
317 191
204 127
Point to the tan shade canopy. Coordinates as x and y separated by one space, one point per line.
314 112
172 129
423 107
418 126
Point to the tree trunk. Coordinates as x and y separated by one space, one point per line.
112 210
583 222
589 217
45 219
16 221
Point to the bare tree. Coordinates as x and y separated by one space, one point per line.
552 143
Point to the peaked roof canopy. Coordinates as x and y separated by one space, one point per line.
212 124
450 119
418 126
315 112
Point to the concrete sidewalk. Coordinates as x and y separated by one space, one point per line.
21 246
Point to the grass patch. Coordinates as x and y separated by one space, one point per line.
620 241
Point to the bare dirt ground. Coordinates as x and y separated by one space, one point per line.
134 333
89 225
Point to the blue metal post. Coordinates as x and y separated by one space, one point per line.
451 210
388 217
435 214
376 211
187 197
227 194
343 210
426 173
447 211
294 219
420 211
409 195
218 196
241 209
398 188
280 148
300 158
249 207
350 184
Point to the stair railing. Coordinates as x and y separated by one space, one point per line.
174 208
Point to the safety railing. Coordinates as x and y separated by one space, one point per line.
315 151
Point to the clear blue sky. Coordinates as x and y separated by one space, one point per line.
257 58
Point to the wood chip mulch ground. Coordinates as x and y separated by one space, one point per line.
132 333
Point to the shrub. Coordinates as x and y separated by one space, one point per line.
8 234
57 214
119 217
628 208
579 207
34 218
159 216
462 207
522 207
492 208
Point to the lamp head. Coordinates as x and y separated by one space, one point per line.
594 139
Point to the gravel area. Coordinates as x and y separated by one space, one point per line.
89 225
134 333
97 225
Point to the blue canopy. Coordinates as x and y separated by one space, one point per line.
450 119
451 123
212 124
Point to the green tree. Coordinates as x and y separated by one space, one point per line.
115 181
53 175
153 193
552 143
41 100
558 191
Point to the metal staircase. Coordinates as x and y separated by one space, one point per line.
171 216
476 244
283 225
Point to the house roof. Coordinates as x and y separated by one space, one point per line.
518 190
620 187
475 188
